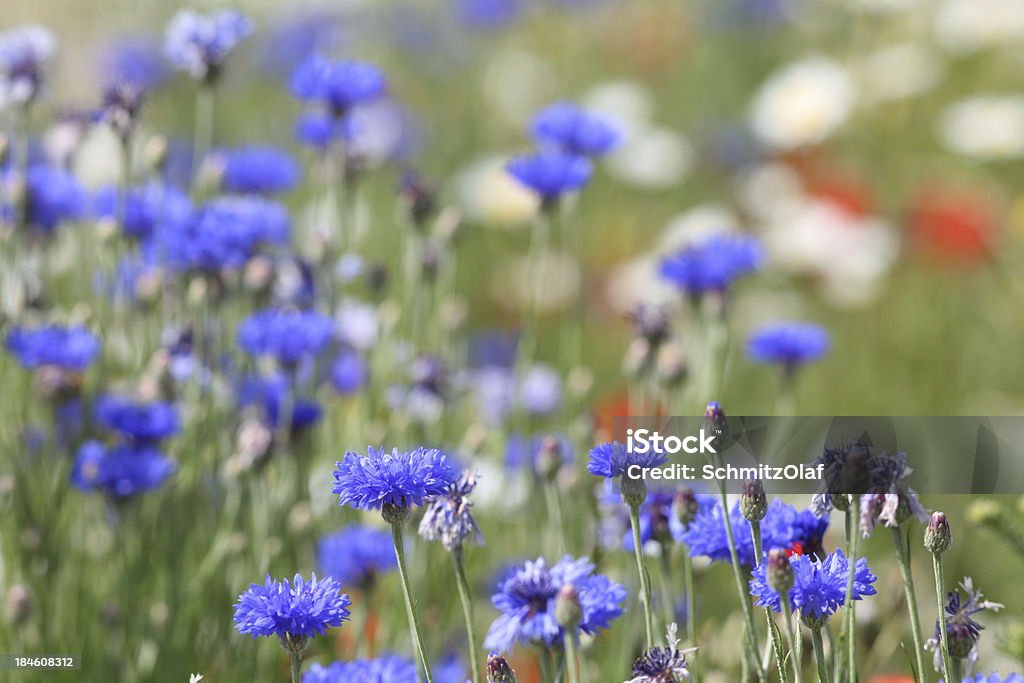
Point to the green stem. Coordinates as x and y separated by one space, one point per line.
795 641
555 510
691 611
665 579
203 130
645 577
773 630
538 245
852 535
296 658
819 655
467 610
903 553
572 667
546 674
750 637
410 605
940 593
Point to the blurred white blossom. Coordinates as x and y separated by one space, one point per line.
653 158
802 104
990 127
898 71
964 26
695 226
487 193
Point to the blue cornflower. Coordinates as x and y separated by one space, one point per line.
612 460
783 527
121 471
572 129
819 585
133 62
541 454
141 422
53 196
962 630
713 265
348 373
287 335
526 600
224 233
788 344
294 612
397 479
383 669
271 393
662 664
356 555
338 85
991 678
319 129
198 44
540 390
24 54
551 174
146 208
449 517
489 14
68 348
259 168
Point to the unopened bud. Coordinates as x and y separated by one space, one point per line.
637 360
716 423
18 605
671 364
568 611
634 491
549 457
780 571
395 515
498 669
937 536
753 501
685 506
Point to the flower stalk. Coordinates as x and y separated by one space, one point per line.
410 605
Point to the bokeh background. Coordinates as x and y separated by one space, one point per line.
874 145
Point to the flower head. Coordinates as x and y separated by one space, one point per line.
53 196
819 585
140 422
551 174
399 479
527 596
135 63
356 555
383 669
68 348
991 678
287 335
146 208
449 517
713 265
294 612
338 85
572 129
24 54
273 391
662 664
613 460
122 471
961 628
788 344
348 373
198 44
259 169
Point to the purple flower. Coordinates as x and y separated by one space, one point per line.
259 169
612 460
992 678
819 585
399 479
133 62
271 393
713 265
449 517
144 422
348 373
338 85
551 174
662 664
961 628
293 611
121 471
572 129
526 600
356 555
788 344
24 53
69 348
146 209
383 669
287 335
53 196
198 44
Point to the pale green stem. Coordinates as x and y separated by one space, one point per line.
554 505
645 578
467 610
664 577
795 641
296 658
852 534
773 630
203 129
571 665
410 605
691 611
903 553
819 655
546 673
948 673
539 236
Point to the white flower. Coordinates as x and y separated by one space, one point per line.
356 324
695 226
489 194
628 102
802 104
990 127
965 26
883 6
654 158
636 282
897 72
195 678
